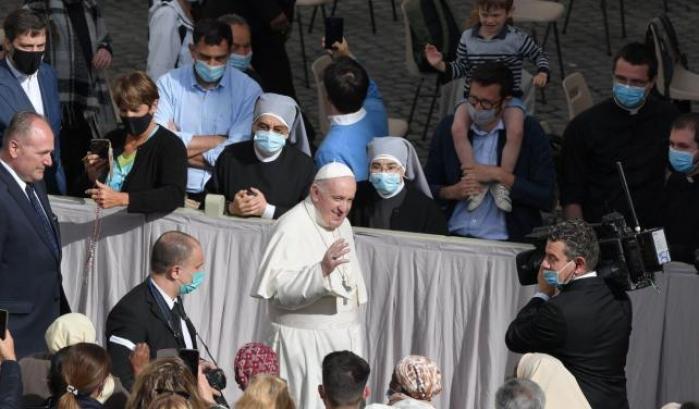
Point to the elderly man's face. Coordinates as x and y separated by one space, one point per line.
241 39
333 199
31 155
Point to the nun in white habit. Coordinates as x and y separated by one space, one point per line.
313 284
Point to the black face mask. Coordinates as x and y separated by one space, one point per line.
26 62
136 125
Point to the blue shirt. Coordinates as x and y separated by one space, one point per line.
226 110
486 221
350 134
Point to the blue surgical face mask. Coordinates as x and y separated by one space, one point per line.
386 183
240 62
197 279
207 72
481 117
269 142
627 96
681 161
553 277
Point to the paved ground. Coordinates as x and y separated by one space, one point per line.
383 53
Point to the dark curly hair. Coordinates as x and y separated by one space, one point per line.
580 241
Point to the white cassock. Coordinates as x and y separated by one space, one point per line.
310 315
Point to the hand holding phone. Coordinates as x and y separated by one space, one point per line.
191 358
4 317
100 147
334 27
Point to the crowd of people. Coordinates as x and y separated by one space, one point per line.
215 113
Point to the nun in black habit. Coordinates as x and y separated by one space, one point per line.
270 173
396 196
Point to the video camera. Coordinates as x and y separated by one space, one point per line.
628 260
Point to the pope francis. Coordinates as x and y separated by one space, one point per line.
312 279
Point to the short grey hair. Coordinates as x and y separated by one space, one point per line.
580 241
171 249
233 19
520 394
20 126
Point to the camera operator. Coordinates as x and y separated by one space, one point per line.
153 313
576 318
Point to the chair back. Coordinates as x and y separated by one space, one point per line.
318 67
663 56
410 63
577 94
428 21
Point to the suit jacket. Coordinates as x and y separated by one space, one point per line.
534 187
13 99
418 213
587 327
10 385
30 272
140 317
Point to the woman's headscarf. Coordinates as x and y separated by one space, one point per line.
287 111
71 329
416 377
252 359
559 385
400 150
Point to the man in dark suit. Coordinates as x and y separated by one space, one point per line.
30 246
152 312
577 318
28 84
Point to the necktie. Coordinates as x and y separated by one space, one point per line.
42 218
176 324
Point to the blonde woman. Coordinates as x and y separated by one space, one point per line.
266 392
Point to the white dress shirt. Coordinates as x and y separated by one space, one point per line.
30 85
170 303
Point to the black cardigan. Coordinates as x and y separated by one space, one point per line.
158 179
418 213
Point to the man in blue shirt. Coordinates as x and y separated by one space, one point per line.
208 105
357 114
531 185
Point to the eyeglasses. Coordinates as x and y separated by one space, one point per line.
484 103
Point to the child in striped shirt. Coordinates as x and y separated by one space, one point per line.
493 38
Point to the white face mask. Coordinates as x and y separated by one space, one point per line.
481 117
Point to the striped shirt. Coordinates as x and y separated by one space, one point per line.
511 46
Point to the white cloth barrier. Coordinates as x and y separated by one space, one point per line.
447 298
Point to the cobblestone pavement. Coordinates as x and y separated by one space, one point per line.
383 53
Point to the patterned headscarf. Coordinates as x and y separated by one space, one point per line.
252 359
416 377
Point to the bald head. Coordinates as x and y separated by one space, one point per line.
333 199
27 146
171 249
